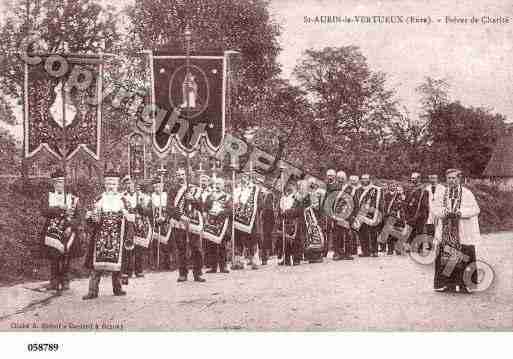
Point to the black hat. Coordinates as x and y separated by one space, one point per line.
58 173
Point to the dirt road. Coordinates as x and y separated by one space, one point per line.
385 293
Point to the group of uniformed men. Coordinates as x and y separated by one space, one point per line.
194 221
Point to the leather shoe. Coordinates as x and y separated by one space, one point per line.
119 293
199 279
347 258
89 296
224 270
442 289
182 279
212 271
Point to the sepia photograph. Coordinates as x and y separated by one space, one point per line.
255 166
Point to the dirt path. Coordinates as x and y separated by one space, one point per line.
385 293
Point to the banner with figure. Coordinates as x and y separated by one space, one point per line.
62 111
190 94
136 156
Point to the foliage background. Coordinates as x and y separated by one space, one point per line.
338 112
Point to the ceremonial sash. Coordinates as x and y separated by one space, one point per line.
54 236
215 227
314 235
142 225
245 213
369 213
191 219
143 232
163 233
342 208
108 247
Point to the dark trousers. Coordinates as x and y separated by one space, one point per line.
293 250
59 270
216 255
266 246
368 239
165 251
243 241
342 241
133 261
194 244
444 276
391 243
96 276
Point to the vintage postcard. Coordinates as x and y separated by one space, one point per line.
255 166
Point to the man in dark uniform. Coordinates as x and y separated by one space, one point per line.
139 205
267 222
327 222
247 200
217 211
292 207
184 208
61 231
394 207
370 205
343 228
161 224
417 207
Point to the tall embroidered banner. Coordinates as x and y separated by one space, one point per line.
190 94
62 111
136 156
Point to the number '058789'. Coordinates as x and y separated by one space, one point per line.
46 347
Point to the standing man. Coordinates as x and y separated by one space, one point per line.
327 222
355 186
368 219
60 234
316 198
339 244
203 191
435 192
346 238
394 207
456 235
217 213
267 221
138 232
185 211
109 219
292 206
245 204
417 207
161 224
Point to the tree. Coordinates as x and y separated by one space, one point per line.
243 26
352 106
78 26
458 136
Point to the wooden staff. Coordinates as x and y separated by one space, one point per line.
161 171
282 217
233 214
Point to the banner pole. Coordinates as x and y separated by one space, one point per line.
233 216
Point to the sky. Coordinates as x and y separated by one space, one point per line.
476 59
